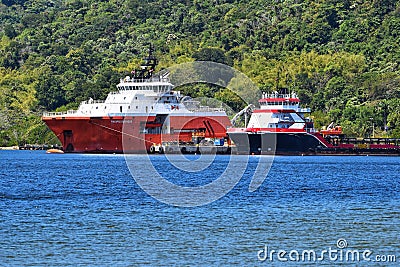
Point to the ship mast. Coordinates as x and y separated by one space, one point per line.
147 68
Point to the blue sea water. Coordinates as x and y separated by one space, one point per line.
87 210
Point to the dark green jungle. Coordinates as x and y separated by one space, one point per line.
342 58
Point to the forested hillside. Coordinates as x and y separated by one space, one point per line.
341 57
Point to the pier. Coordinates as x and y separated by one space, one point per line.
38 147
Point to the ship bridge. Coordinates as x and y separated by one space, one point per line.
157 84
279 111
281 102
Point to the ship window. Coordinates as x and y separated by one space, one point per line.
129 107
137 107
135 97
105 107
152 107
97 107
124 97
167 98
120 108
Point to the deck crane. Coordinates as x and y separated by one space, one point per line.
247 110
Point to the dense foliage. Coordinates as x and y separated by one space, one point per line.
341 57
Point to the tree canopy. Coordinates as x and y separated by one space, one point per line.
341 57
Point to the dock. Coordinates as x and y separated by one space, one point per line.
38 147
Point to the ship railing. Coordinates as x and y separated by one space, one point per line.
194 106
205 109
282 106
59 113
158 88
90 101
304 110
128 79
277 95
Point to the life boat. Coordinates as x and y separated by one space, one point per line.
337 130
54 151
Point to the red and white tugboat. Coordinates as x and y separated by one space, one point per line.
280 127
143 112
277 127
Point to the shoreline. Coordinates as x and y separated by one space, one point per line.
9 148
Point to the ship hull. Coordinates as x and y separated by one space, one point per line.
130 134
275 143
281 143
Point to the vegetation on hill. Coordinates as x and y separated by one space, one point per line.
341 57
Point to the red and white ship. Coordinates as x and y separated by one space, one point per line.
280 127
144 111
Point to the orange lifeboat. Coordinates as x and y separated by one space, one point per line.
54 151
337 130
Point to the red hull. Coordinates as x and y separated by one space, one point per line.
130 134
